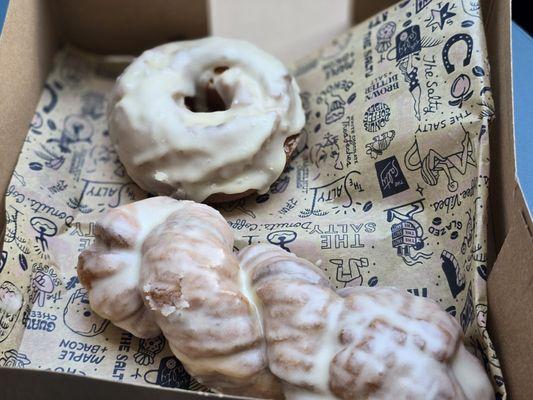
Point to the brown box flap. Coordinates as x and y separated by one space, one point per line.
26 48
510 291
279 32
118 27
16 383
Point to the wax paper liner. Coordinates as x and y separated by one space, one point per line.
387 187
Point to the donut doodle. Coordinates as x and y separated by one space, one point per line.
212 119
460 90
264 322
446 50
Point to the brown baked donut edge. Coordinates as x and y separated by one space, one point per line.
289 147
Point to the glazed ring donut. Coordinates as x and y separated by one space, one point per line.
209 119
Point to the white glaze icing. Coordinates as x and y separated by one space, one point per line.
360 343
472 379
114 272
168 149
266 323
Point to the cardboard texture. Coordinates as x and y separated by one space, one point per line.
129 27
292 37
512 225
23 69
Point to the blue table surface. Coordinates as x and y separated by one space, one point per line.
3 9
523 98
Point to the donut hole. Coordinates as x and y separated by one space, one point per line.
207 99
220 69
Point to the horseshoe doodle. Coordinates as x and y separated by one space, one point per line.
446 50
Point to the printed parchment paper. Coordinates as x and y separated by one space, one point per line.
388 187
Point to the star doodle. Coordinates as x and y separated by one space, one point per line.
440 17
136 374
420 189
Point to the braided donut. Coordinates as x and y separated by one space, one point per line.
211 119
358 343
264 322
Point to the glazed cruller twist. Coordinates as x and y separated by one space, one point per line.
264 322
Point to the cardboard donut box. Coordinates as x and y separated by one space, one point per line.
35 29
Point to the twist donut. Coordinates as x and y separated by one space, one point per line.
210 119
194 298
264 322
